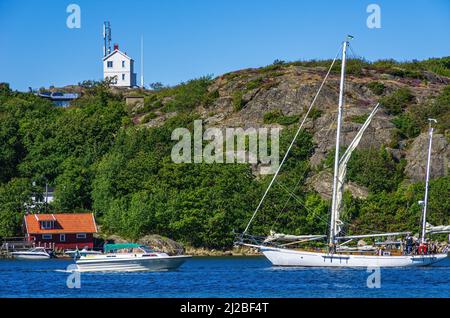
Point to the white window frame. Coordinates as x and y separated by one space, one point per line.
109 64
62 237
46 225
123 77
123 64
47 236
81 236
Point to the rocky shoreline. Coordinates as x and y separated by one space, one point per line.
236 251
172 247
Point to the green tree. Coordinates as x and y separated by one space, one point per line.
73 186
375 169
14 196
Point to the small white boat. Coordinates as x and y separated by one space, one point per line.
77 253
129 257
37 253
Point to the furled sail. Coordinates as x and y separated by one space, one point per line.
438 229
290 238
343 169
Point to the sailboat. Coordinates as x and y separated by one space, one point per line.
338 255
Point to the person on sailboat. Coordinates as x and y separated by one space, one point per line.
409 244
332 248
423 248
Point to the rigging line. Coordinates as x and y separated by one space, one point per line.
371 231
301 203
356 56
288 199
292 143
285 204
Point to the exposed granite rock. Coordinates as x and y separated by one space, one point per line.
290 89
416 157
162 244
322 183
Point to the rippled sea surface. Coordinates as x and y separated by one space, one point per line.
221 277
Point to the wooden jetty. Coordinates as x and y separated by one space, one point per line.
12 244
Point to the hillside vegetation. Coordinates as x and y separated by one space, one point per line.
104 156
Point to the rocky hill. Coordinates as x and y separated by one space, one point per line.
279 94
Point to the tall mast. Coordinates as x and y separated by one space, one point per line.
334 206
427 179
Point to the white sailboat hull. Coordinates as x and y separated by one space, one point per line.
130 264
288 257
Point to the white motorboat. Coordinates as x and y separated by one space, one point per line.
338 254
129 257
37 253
77 253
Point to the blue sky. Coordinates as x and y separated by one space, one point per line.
190 38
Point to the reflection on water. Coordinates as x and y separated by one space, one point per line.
221 277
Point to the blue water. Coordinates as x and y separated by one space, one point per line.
221 277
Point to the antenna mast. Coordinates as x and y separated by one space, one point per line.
142 61
106 38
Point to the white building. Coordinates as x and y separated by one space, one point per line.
120 68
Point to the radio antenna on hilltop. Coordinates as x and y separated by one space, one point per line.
142 61
106 38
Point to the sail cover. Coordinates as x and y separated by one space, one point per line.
343 169
438 229
290 238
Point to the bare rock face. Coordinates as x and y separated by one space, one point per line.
162 244
322 183
378 133
290 89
416 157
291 93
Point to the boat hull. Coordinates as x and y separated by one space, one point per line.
288 257
131 264
26 256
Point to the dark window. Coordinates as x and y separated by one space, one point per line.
46 225
109 64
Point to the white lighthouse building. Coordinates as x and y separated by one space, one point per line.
119 68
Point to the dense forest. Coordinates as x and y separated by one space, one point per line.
99 159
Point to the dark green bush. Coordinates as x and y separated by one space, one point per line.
238 102
315 113
277 117
407 125
396 102
358 119
375 169
210 98
256 83
376 87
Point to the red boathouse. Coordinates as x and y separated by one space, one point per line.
61 230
